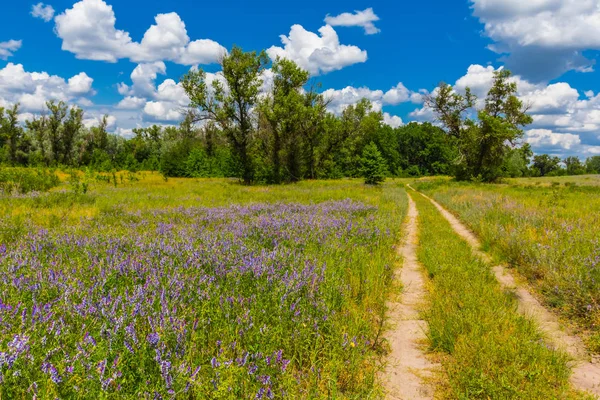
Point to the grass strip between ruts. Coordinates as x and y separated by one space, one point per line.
489 350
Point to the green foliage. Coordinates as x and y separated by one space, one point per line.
483 144
545 164
25 180
231 108
592 165
373 166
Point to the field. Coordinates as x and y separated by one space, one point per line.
195 289
127 285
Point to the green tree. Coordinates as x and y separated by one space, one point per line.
574 166
373 165
592 165
545 164
231 104
37 128
71 128
12 132
484 143
57 114
284 109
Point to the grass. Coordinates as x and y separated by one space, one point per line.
548 232
489 350
195 288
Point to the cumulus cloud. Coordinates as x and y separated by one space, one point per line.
33 89
88 30
364 19
42 11
7 49
392 120
131 103
80 84
317 53
548 140
342 98
543 38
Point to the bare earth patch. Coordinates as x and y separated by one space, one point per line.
408 369
586 373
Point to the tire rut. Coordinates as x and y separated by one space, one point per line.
586 373
408 368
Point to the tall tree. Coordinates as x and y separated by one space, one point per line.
56 116
231 103
284 109
71 129
11 131
545 163
483 143
38 129
574 166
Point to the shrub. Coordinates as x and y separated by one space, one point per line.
23 180
373 165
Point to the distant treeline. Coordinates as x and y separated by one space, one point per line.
233 130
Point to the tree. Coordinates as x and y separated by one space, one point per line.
11 131
484 143
38 129
518 160
545 163
373 165
231 103
284 110
592 165
57 114
574 166
70 130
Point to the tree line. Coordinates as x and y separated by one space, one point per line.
233 129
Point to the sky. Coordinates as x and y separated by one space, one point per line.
125 58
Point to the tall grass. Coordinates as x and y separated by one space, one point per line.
548 233
489 350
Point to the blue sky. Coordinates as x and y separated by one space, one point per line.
124 58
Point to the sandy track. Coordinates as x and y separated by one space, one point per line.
586 374
408 368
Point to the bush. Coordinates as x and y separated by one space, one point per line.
23 180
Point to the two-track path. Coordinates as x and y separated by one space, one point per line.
586 374
408 368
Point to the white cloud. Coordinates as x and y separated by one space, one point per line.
143 77
111 121
544 38
88 30
161 111
7 49
392 120
42 11
342 98
33 89
131 103
363 19
318 54
80 84
545 138
397 95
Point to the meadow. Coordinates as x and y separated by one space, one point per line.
547 230
195 288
